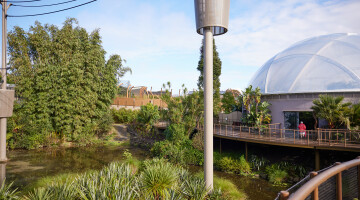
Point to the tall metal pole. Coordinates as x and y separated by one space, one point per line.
3 87
208 108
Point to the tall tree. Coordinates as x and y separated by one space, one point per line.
332 109
216 75
63 79
231 101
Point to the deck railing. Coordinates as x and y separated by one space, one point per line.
319 137
339 181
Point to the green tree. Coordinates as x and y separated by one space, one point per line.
186 111
216 76
332 109
63 79
355 116
231 101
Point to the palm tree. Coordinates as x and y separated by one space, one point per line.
332 109
247 98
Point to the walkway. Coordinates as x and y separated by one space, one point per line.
343 140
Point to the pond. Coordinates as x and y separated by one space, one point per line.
27 166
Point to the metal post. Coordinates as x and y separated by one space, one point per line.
284 195
338 184
208 108
3 121
317 160
315 193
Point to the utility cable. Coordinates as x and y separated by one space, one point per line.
52 11
21 1
55 4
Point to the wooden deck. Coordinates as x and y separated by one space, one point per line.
341 140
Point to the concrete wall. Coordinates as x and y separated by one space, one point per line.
299 102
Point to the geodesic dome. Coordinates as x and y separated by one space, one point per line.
328 63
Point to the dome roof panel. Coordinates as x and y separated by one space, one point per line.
320 64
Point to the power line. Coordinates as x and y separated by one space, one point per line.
45 4
52 11
22 1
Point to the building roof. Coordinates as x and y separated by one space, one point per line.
328 63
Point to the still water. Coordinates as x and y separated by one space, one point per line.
27 166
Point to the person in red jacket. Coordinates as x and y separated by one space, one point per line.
302 128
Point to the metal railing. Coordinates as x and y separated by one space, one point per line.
339 181
320 137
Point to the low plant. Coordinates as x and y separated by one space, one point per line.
124 116
7 192
258 163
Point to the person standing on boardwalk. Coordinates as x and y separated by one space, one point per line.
302 129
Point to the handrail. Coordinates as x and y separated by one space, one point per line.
312 185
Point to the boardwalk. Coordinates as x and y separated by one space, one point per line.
343 140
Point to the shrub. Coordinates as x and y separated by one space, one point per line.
6 192
258 163
175 132
124 115
229 164
275 175
181 153
148 116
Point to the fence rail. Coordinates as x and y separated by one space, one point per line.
339 181
135 102
311 138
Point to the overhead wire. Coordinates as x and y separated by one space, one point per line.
29 1
45 5
52 11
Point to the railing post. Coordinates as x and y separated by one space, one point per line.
315 193
345 139
308 138
294 135
358 178
338 184
240 131
232 130
220 129
249 131
225 130
318 136
337 136
284 195
329 138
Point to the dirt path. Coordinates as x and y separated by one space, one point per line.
122 133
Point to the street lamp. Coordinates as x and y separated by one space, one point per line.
212 18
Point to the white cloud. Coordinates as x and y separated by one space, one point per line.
160 43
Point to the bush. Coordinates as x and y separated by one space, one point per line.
175 132
181 153
124 116
275 174
148 116
157 179
237 166
258 163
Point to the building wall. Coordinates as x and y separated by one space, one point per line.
299 102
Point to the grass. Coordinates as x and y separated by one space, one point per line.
228 188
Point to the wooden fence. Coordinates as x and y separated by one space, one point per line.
135 102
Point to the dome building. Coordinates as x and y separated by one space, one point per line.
328 64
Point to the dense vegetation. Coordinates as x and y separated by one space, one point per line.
216 76
64 84
150 179
336 112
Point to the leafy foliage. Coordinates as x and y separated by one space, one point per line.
229 164
184 111
257 112
216 76
63 80
148 116
156 179
332 109
124 115
231 101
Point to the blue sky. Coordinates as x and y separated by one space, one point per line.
159 41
